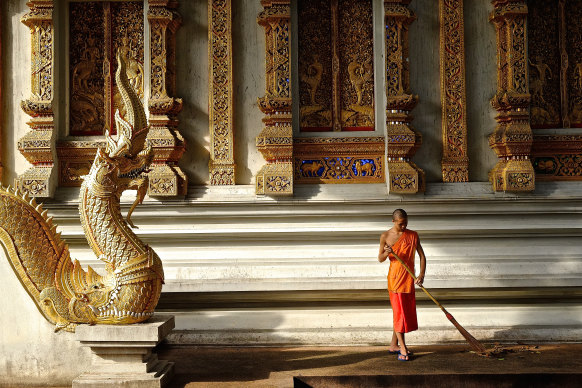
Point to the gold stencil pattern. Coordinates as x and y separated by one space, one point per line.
512 137
220 93
336 69
275 142
404 177
455 163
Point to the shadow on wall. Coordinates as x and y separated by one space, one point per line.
31 352
192 87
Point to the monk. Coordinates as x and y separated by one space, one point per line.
405 243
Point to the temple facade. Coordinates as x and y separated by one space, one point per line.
285 132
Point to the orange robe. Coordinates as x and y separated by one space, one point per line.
401 284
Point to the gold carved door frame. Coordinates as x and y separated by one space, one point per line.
72 156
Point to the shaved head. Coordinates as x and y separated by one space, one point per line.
399 214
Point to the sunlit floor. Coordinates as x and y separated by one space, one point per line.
275 367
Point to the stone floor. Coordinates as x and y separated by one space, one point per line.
276 367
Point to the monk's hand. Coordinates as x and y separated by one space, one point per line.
419 280
388 249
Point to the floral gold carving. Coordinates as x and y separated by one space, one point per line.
166 178
455 162
512 137
402 141
275 142
38 144
557 157
63 291
220 93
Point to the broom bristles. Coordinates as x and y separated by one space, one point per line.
476 345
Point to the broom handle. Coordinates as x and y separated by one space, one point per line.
414 277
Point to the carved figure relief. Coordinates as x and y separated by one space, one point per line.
339 160
63 291
336 72
96 30
555 60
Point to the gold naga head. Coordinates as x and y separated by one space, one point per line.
129 151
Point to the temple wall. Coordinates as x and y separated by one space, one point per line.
16 87
192 87
242 268
31 353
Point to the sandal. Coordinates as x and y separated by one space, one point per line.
403 357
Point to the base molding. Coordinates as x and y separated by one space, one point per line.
122 354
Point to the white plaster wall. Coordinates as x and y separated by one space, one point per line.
249 84
425 82
481 83
16 55
30 351
192 87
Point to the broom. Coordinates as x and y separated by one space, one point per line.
476 345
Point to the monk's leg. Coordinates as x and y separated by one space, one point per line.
403 348
394 343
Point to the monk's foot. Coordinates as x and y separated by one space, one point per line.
403 357
393 349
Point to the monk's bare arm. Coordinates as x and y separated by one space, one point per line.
385 250
420 277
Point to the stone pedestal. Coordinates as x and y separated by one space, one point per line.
122 354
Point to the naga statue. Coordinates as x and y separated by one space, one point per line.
65 294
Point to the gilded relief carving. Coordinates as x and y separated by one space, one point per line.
275 142
339 160
512 138
336 72
356 53
543 56
87 83
166 178
96 30
127 38
573 76
557 157
38 145
402 141
455 163
220 93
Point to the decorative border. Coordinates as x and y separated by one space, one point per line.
512 138
275 142
404 177
38 144
220 93
339 160
455 163
557 157
166 178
